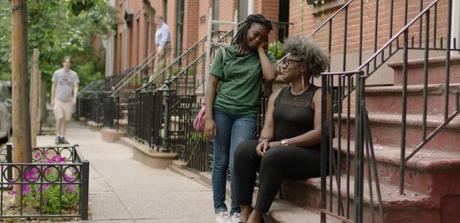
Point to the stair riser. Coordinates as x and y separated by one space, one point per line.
427 182
436 75
391 103
293 192
390 134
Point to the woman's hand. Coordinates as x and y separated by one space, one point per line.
262 148
210 128
263 46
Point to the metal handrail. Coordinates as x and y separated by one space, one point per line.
125 81
404 31
389 42
178 59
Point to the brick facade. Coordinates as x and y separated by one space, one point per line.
303 18
305 21
191 26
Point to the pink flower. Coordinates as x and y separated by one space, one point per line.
32 174
70 188
37 156
56 159
26 189
68 178
43 187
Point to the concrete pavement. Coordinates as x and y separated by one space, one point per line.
125 190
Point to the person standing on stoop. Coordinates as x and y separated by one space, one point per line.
232 100
162 42
64 90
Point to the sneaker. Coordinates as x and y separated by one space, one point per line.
57 141
235 218
64 141
222 217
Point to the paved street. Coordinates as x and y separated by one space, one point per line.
125 190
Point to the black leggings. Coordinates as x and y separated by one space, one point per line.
277 164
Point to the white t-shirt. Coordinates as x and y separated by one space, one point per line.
64 84
162 35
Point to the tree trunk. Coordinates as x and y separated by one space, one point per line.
34 98
21 111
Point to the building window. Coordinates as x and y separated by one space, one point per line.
318 3
321 7
215 14
165 11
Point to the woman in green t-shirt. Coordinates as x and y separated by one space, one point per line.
232 99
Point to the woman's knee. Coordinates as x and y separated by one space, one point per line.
273 157
220 160
245 150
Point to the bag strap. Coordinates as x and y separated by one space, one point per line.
223 50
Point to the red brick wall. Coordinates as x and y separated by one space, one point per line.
301 15
143 37
203 18
270 9
257 6
172 24
191 23
310 22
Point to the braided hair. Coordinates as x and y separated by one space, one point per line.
240 39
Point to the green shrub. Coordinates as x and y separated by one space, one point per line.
277 49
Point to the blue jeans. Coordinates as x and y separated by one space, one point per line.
231 131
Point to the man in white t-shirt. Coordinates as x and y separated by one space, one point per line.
64 92
162 39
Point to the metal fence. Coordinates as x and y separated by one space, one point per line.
55 184
192 146
111 113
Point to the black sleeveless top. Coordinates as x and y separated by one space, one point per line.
293 115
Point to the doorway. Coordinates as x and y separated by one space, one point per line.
179 26
283 16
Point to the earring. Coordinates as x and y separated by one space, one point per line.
303 82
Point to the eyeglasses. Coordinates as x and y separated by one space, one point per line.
288 61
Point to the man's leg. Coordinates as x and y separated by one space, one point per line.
59 116
67 108
58 126
64 124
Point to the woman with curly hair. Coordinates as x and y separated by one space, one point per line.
290 143
232 100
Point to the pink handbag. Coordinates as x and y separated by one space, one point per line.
200 118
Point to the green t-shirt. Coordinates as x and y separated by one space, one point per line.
240 82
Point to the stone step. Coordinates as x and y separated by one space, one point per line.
386 130
429 171
436 71
412 207
388 99
283 211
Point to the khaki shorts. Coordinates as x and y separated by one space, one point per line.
63 109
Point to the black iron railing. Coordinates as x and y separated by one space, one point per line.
423 41
133 116
343 158
55 184
423 32
192 146
111 115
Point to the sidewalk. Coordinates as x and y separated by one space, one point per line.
125 190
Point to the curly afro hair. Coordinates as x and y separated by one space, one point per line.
311 54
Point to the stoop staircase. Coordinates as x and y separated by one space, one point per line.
432 176
375 129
